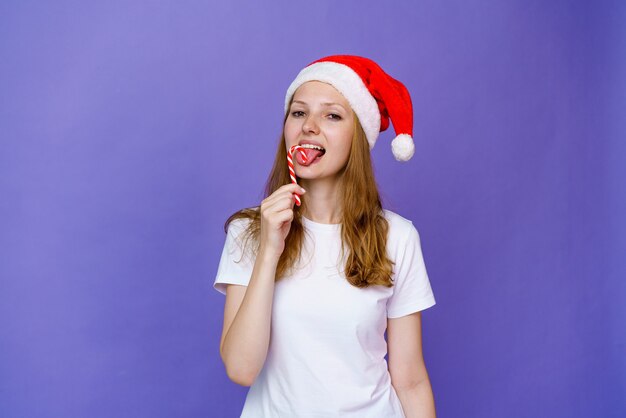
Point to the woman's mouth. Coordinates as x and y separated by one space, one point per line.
314 153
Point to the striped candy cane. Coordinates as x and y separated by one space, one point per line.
292 172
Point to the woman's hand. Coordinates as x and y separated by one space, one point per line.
276 217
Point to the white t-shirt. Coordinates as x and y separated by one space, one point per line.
327 344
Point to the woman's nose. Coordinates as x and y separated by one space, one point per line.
310 125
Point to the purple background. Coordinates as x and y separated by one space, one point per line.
130 130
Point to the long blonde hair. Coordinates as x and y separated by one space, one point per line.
363 226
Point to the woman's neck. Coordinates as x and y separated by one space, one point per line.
321 201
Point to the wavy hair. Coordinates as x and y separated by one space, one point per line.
364 227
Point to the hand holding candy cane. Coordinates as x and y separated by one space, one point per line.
276 216
277 211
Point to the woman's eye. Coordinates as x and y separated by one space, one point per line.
298 113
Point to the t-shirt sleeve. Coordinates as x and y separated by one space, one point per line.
411 290
233 268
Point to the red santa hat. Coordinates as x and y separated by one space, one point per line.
374 96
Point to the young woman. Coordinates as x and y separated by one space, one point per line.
312 288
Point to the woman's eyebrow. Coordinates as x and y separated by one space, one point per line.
324 104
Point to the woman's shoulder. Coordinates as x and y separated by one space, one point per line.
243 220
399 226
238 224
396 220
402 234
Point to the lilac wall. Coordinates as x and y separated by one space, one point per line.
130 130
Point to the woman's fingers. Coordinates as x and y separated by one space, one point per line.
282 202
276 214
283 191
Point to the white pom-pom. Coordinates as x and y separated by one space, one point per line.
403 147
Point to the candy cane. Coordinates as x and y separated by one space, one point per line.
292 172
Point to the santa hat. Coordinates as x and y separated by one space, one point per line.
374 96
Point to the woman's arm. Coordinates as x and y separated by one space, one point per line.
418 402
409 376
245 338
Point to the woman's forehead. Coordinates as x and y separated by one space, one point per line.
319 90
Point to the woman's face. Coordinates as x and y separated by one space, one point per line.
320 114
